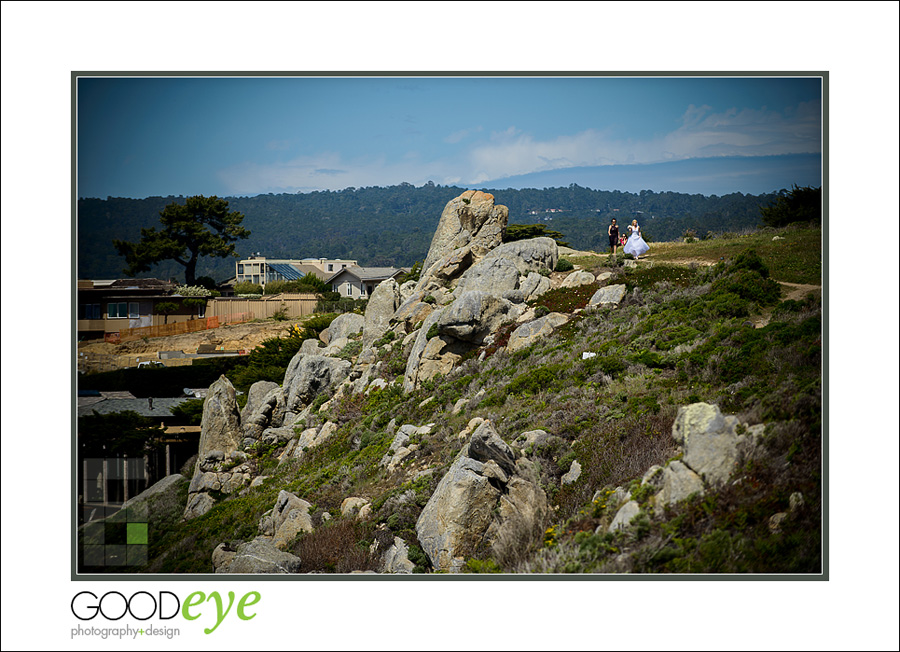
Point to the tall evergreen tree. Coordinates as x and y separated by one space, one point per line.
202 226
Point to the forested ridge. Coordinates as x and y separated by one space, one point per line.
382 226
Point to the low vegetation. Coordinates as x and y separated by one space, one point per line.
683 334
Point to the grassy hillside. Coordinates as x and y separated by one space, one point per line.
684 333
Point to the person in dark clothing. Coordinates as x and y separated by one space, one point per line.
613 232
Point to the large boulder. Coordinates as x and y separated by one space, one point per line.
264 409
381 307
474 316
487 497
528 334
528 256
453 522
309 375
220 429
677 483
345 325
576 279
470 221
257 556
492 275
609 295
712 442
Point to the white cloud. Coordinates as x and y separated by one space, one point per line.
702 133
331 171
745 132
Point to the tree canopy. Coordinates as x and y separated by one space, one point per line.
202 226
798 205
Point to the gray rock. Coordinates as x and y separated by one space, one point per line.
527 255
486 445
258 390
197 505
611 294
471 220
604 276
297 521
221 425
527 334
353 505
534 285
492 276
395 560
678 483
257 556
710 440
380 308
453 522
474 316
263 411
345 325
311 347
521 515
572 474
576 279
624 516
310 376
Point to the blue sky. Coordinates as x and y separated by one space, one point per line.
141 136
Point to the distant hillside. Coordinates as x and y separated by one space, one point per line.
394 225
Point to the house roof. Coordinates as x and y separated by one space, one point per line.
369 273
140 405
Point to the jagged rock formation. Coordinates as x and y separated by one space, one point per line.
486 498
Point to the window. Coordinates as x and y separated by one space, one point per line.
349 289
89 311
240 269
134 310
117 310
330 267
201 311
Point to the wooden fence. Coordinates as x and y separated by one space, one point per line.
232 309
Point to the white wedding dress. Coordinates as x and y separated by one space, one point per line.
636 245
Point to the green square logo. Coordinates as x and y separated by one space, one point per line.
137 534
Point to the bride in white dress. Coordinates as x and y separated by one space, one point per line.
635 245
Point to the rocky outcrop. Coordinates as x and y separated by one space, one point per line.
216 473
395 560
474 316
220 428
712 442
344 325
264 409
309 375
381 307
288 518
257 556
713 445
470 226
485 498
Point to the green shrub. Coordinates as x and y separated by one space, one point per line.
246 287
563 265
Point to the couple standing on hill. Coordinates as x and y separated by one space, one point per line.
635 244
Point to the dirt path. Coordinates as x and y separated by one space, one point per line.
234 337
